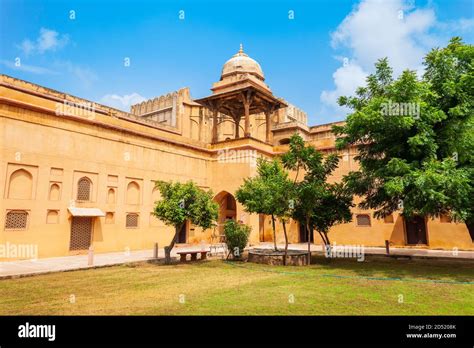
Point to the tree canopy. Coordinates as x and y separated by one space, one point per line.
319 204
181 202
414 137
269 192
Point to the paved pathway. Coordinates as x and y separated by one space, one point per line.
58 264
11 269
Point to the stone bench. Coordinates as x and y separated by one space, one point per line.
183 254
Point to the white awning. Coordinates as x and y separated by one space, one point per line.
85 211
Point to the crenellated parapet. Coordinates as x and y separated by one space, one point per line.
164 109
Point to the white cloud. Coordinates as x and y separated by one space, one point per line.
122 102
376 29
27 47
48 40
27 68
85 75
392 29
346 79
465 24
81 75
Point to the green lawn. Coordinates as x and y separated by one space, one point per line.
335 287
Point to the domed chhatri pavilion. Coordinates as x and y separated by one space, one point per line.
241 92
76 174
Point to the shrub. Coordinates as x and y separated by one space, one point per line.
237 236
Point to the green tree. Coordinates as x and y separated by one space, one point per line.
181 202
449 71
318 204
236 237
269 193
414 137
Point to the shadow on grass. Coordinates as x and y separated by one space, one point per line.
381 266
373 266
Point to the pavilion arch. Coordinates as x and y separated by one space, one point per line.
227 208
20 185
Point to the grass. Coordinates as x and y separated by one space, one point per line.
335 287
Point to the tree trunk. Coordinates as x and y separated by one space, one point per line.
327 244
327 238
324 242
297 172
286 242
324 237
274 233
170 247
309 240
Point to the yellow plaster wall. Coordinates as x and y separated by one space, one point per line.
61 149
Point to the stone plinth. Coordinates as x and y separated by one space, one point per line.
272 257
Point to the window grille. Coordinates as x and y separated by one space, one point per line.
81 233
83 189
16 220
132 221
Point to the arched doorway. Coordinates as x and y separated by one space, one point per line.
227 209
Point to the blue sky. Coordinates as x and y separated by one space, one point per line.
324 50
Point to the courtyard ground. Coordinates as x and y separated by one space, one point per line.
216 287
12 269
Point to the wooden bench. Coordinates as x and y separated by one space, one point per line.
193 253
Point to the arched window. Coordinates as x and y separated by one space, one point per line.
52 217
131 220
84 189
21 185
133 193
109 217
16 220
54 192
111 196
284 141
363 220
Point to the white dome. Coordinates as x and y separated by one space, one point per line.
242 63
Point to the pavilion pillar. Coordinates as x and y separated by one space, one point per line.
214 125
201 121
237 127
268 125
247 100
247 118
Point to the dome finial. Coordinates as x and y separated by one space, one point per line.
241 50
